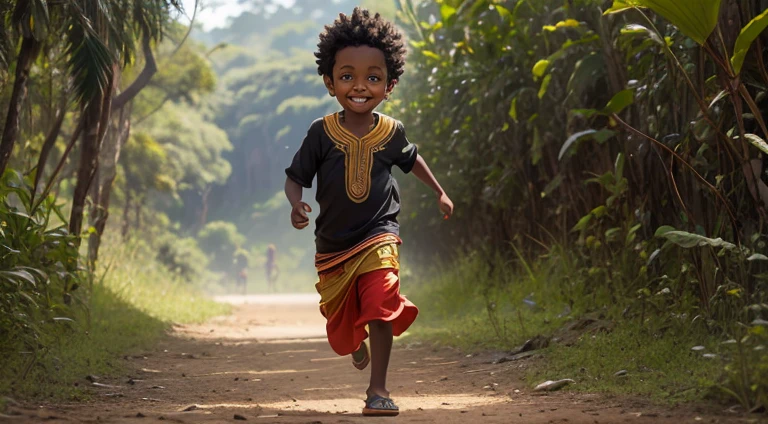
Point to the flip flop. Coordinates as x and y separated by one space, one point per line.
361 364
379 406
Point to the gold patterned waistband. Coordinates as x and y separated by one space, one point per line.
328 261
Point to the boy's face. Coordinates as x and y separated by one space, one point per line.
359 80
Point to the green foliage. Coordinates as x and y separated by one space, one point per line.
39 275
145 165
505 310
182 256
221 240
649 130
115 328
193 146
747 36
145 283
747 375
694 18
658 363
129 310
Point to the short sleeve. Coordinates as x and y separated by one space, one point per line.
307 159
404 152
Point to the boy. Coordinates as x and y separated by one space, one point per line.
360 58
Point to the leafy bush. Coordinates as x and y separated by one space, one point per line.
39 274
182 256
574 125
221 240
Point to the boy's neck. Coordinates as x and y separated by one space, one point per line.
358 123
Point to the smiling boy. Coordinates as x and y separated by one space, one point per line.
352 152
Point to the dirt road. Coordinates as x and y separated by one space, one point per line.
269 362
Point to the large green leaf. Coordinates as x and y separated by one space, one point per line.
544 86
618 6
620 101
747 35
447 11
757 142
586 73
639 29
688 240
540 68
573 139
694 18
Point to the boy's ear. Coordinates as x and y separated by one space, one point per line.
329 85
391 86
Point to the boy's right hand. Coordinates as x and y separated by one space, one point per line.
299 218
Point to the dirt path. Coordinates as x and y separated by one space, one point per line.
270 363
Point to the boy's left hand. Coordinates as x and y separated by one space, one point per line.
446 206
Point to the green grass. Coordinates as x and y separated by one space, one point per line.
80 349
148 286
454 310
664 369
130 309
471 305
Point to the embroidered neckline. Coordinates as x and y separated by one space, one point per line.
358 151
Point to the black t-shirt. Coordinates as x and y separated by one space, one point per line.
358 196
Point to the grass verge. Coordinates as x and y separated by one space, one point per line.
479 304
130 309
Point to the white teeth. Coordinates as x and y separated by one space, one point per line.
359 99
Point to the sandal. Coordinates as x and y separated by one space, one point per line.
378 406
363 362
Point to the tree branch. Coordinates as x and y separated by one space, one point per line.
150 69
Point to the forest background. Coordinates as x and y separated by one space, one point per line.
606 159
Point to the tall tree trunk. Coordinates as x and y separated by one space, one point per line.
109 156
96 114
204 209
126 214
50 141
138 205
27 54
89 158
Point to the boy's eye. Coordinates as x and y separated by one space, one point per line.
374 78
346 77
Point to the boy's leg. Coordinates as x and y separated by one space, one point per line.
381 347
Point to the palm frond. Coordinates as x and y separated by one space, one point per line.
90 61
32 17
151 16
6 51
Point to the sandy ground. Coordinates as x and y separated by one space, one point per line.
269 362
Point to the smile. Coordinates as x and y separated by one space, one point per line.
359 100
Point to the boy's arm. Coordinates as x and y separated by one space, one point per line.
422 172
299 209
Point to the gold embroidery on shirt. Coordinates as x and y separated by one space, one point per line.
358 152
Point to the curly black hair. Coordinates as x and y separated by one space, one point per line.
361 29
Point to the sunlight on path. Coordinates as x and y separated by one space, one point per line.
270 299
406 403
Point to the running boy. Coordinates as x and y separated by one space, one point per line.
360 57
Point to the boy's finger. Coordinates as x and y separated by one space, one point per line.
306 207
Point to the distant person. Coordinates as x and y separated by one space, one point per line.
242 280
360 57
241 271
271 267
